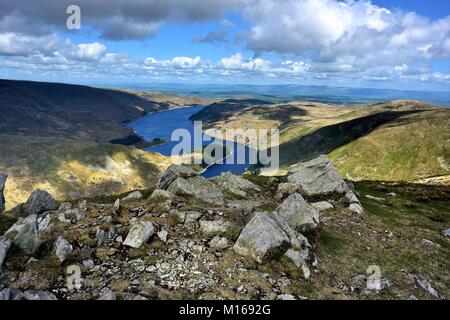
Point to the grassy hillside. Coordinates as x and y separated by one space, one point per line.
399 140
71 140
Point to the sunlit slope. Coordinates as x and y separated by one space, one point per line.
74 169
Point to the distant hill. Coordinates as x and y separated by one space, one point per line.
71 139
398 140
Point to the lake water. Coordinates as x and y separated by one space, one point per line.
162 124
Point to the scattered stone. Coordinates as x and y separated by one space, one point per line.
356 208
174 172
218 242
317 177
259 236
107 294
116 206
27 237
39 202
446 232
5 244
162 235
214 227
83 206
235 184
139 234
161 195
424 284
322 205
368 196
198 187
286 297
65 206
298 213
391 194
38 295
136 195
3 178
299 259
286 189
62 249
88 263
430 243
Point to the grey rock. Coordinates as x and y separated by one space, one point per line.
139 234
259 236
3 178
38 295
39 202
174 172
424 284
235 184
218 242
27 237
62 248
356 208
63 207
317 177
298 213
286 189
446 232
322 205
83 206
5 244
134 196
162 235
198 187
299 259
286 296
160 195
116 206
214 227
107 294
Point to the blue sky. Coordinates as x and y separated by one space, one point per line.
377 44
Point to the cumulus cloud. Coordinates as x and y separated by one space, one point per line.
353 32
115 19
176 63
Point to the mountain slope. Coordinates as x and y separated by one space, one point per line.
71 140
398 140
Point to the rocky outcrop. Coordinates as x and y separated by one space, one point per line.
3 178
25 234
317 177
197 187
174 172
39 202
299 214
235 184
139 234
259 236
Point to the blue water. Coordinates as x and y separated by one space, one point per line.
162 124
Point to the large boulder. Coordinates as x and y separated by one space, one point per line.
174 172
317 177
139 234
5 244
298 213
259 236
198 187
235 184
2 188
133 196
39 201
25 234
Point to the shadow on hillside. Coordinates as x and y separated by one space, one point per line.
327 139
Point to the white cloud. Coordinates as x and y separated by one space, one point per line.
352 32
176 63
90 51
